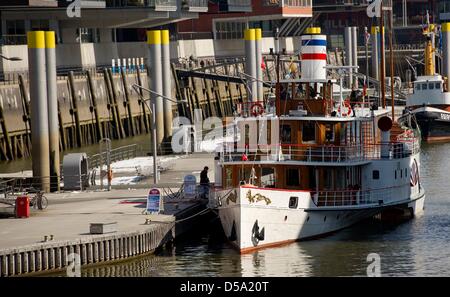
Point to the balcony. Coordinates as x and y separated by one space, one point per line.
158 5
290 8
33 3
194 5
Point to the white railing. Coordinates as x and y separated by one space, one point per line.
322 153
362 197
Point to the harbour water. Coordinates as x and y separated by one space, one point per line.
418 247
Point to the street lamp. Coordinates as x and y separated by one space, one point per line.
10 59
152 109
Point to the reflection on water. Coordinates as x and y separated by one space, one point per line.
415 248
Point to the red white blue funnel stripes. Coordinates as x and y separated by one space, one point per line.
314 56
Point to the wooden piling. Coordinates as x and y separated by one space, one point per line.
75 109
98 124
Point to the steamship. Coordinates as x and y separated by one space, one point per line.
430 101
329 167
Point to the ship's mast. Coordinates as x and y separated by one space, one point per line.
391 37
382 64
429 50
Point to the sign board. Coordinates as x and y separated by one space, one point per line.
154 201
190 186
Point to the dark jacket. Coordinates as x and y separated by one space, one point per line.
204 180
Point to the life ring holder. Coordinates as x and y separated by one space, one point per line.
257 109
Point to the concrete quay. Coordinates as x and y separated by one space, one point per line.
65 225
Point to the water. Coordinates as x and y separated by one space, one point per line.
418 247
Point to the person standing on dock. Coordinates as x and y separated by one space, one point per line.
204 183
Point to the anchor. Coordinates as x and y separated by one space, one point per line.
257 235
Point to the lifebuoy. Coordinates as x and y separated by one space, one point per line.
257 109
348 109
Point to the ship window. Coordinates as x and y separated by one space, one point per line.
308 132
406 172
424 86
418 87
292 177
286 134
375 174
395 174
293 202
268 177
401 173
431 86
438 86
228 177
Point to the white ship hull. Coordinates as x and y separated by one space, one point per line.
250 224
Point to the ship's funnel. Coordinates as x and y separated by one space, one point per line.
385 125
314 54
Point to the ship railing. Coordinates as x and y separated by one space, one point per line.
321 153
352 197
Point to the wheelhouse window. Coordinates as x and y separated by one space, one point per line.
329 132
424 86
438 86
268 177
309 132
431 86
292 177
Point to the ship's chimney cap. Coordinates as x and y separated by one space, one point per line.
313 30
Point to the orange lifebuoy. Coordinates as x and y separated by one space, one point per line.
257 109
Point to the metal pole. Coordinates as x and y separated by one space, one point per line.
349 53
382 64
167 83
154 143
355 53
391 37
375 56
52 98
250 61
39 108
156 84
446 52
259 60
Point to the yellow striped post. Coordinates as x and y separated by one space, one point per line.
250 64
39 108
